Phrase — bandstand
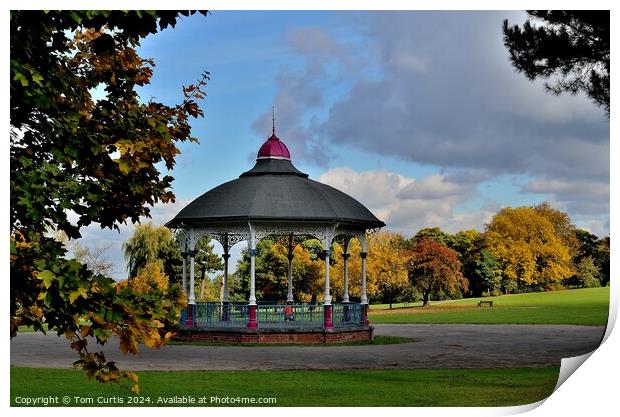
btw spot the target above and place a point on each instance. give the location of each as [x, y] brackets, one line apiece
[274, 199]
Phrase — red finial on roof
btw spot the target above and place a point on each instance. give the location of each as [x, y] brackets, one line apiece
[273, 147]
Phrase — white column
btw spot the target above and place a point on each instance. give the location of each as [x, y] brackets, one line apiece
[364, 297]
[226, 256]
[289, 295]
[192, 254]
[252, 249]
[184, 259]
[225, 280]
[345, 297]
[327, 298]
[184, 254]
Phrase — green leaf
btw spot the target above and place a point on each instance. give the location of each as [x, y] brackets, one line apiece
[20, 77]
[124, 165]
[75, 17]
[80, 292]
[47, 277]
[37, 79]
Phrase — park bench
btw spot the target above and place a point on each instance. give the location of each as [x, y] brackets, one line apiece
[489, 303]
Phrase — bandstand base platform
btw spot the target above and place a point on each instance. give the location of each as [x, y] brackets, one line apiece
[275, 336]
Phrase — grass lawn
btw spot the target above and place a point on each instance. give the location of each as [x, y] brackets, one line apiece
[588, 306]
[438, 387]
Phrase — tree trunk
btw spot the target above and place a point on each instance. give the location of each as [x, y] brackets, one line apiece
[202, 289]
[202, 285]
[425, 297]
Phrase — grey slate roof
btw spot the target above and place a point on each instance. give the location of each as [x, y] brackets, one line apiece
[274, 190]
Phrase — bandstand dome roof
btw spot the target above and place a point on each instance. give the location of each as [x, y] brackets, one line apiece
[274, 190]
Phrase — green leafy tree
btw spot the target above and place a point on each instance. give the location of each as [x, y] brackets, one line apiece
[464, 242]
[434, 233]
[587, 273]
[95, 158]
[487, 270]
[587, 244]
[434, 268]
[206, 262]
[568, 47]
[151, 244]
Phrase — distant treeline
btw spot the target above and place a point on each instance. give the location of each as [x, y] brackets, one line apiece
[523, 249]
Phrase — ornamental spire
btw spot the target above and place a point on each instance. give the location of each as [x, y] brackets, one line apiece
[273, 121]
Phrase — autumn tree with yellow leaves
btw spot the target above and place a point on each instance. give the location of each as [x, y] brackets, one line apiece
[529, 247]
[386, 271]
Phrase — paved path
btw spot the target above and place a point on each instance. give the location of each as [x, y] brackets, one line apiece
[435, 346]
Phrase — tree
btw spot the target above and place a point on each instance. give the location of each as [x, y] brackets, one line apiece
[95, 158]
[434, 233]
[487, 268]
[562, 224]
[603, 260]
[386, 266]
[94, 258]
[587, 244]
[150, 278]
[157, 245]
[272, 271]
[570, 47]
[464, 242]
[587, 273]
[206, 262]
[528, 247]
[433, 267]
[151, 244]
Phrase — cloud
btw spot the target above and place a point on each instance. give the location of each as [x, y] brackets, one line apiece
[297, 91]
[435, 187]
[313, 41]
[583, 197]
[407, 204]
[437, 88]
[467, 108]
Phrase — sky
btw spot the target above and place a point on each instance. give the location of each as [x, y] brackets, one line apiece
[418, 115]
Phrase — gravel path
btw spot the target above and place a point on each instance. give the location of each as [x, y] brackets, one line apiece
[435, 346]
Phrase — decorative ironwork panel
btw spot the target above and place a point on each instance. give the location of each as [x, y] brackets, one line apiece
[345, 315]
[343, 241]
[227, 236]
[182, 237]
[290, 316]
[325, 233]
[219, 315]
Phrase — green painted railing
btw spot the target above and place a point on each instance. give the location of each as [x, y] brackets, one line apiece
[299, 316]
